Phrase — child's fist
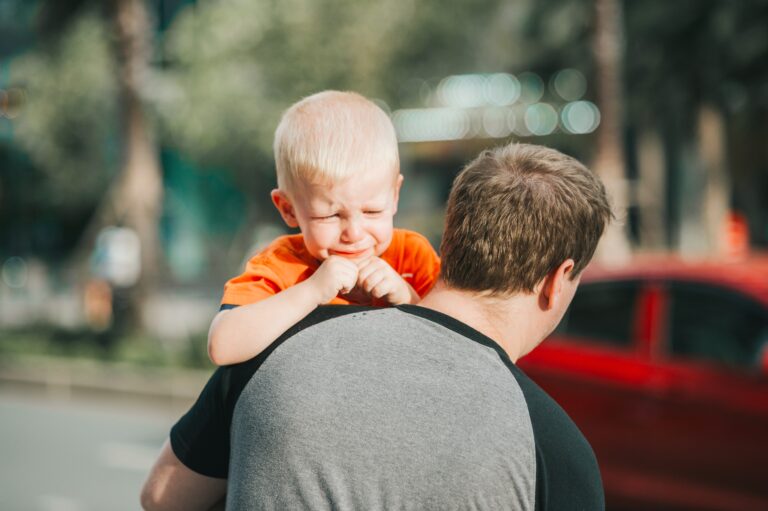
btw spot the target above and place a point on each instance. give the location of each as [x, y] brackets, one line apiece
[380, 280]
[335, 275]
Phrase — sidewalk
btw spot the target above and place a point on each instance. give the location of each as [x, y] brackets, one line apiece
[74, 378]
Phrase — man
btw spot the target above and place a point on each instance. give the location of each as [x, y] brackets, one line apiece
[415, 407]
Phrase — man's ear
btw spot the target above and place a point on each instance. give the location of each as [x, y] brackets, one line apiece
[398, 184]
[550, 289]
[283, 204]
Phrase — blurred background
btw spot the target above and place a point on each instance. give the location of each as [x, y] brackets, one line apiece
[136, 165]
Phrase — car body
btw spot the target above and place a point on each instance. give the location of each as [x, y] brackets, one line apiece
[663, 364]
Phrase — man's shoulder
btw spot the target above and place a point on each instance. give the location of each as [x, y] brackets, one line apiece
[325, 313]
[236, 376]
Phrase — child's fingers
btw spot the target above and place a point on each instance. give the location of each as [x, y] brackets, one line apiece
[381, 289]
[365, 272]
[366, 266]
[347, 279]
[369, 282]
[377, 278]
[373, 265]
[340, 273]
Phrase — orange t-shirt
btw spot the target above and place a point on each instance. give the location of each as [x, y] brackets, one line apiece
[286, 262]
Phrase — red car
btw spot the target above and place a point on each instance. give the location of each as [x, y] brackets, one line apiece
[663, 364]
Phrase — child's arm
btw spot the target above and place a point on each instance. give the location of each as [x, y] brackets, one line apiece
[239, 334]
[380, 280]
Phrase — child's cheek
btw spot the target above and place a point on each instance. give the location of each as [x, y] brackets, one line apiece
[326, 236]
[383, 233]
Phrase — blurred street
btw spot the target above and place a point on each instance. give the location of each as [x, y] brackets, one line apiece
[65, 452]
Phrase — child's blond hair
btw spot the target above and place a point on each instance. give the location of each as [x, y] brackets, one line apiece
[330, 136]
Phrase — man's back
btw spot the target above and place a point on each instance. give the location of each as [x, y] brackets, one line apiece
[400, 408]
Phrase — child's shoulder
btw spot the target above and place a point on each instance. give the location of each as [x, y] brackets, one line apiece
[414, 258]
[409, 247]
[408, 238]
[289, 244]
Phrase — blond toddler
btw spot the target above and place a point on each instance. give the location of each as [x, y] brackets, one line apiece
[338, 181]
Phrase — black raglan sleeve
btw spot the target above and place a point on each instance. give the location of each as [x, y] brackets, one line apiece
[200, 439]
[567, 474]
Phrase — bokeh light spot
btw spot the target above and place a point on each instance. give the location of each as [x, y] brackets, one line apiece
[532, 87]
[462, 91]
[580, 117]
[570, 84]
[430, 124]
[541, 119]
[15, 272]
[495, 122]
[502, 89]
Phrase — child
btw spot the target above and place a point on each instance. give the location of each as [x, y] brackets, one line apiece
[338, 181]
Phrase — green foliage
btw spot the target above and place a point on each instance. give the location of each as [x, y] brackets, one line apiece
[541, 36]
[67, 126]
[232, 66]
[236, 65]
[694, 52]
[226, 69]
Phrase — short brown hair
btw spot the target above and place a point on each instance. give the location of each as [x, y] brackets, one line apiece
[515, 213]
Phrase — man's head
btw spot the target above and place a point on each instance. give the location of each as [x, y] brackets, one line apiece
[338, 174]
[516, 214]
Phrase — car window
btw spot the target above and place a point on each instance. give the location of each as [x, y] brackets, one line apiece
[716, 324]
[602, 312]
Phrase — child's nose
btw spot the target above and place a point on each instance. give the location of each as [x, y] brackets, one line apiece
[352, 231]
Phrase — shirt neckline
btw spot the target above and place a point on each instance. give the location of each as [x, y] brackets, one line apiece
[457, 326]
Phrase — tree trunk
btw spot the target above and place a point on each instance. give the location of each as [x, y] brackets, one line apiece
[651, 191]
[609, 156]
[137, 194]
[717, 191]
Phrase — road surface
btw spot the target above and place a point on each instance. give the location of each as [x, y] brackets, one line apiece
[67, 454]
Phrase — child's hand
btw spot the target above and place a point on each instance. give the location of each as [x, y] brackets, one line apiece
[380, 280]
[335, 275]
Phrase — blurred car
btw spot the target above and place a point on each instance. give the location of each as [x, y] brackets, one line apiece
[663, 364]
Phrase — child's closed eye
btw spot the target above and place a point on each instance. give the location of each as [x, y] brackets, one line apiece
[325, 217]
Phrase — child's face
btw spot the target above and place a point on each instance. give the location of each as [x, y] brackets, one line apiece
[351, 218]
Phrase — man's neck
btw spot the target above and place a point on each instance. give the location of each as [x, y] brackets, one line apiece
[508, 321]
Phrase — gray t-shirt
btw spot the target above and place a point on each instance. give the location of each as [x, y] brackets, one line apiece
[397, 408]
